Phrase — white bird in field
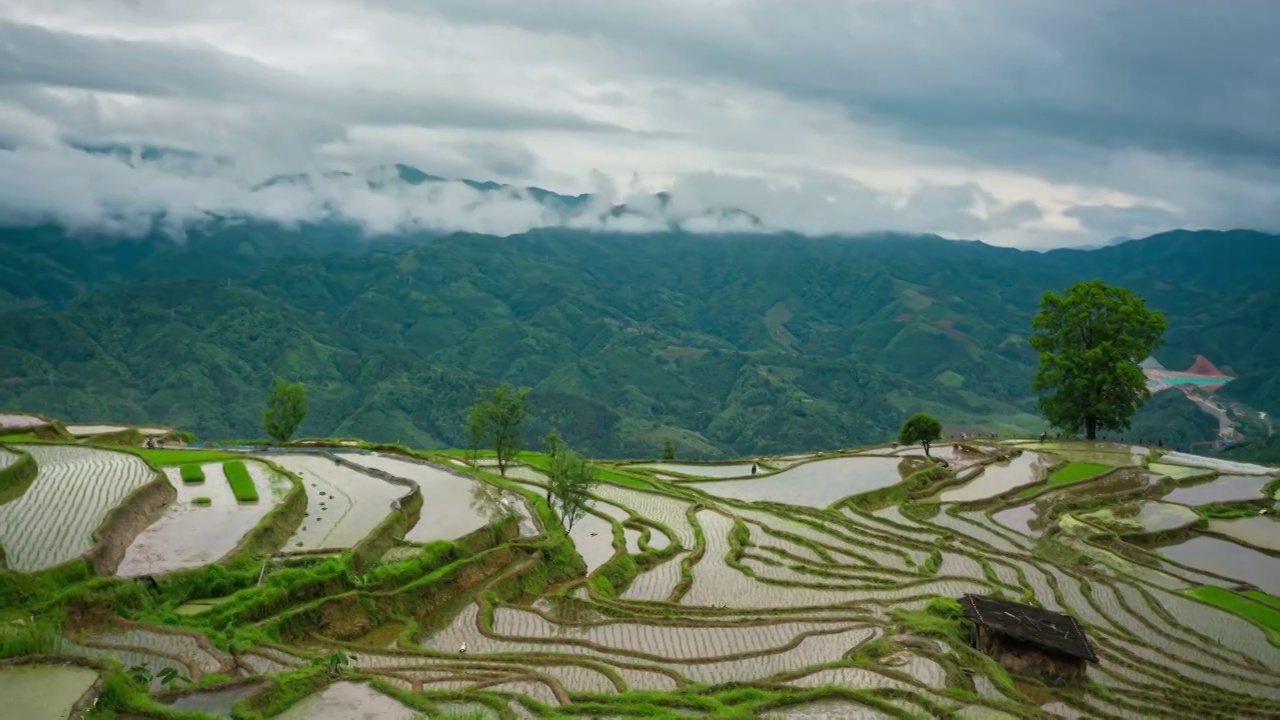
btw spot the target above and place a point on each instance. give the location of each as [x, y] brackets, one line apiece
[463, 648]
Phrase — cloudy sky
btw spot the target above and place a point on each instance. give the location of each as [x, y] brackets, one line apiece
[1035, 124]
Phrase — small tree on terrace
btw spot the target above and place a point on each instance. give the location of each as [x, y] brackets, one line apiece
[554, 443]
[1091, 341]
[286, 407]
[668, 450]
[569, 484]
[920, 428]
[498, 419]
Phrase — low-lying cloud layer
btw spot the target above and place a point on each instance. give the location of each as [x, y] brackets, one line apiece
[1029, 124]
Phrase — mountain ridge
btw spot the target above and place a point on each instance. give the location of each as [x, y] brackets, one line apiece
[730, 343]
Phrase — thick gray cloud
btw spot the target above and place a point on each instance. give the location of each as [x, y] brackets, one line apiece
[1025, 123]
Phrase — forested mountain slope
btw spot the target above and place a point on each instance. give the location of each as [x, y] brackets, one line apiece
[731, 344]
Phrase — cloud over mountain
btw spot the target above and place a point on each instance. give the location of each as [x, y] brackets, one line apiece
[1038, 124]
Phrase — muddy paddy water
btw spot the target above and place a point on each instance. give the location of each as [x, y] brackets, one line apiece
[190, 535]
[42, 692]
[214, 702]
[707, 471]
[1027, 468]
[1226, 488]
[1223, 557]
[347, 701]
[453, 505]
[1260, 531]
[816, 484]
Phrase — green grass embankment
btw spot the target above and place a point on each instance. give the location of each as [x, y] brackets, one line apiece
[171, 456]
[241, 483]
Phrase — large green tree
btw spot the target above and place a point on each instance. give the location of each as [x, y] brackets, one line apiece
[498, 418]
[1091, 340]
[285, 410]
[920, 428]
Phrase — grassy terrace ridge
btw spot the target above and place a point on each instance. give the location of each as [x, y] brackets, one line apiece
[695, 605]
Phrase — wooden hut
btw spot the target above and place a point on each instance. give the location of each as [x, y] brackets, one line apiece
[1028, 641]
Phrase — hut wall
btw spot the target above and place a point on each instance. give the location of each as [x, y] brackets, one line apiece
[1024, 659]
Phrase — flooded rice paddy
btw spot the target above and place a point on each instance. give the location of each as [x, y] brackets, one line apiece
[214, 702]
[42, 692]
[1260, 531]
[54, 520]
[343, 505]
[20, 421]
[1227, 467]
[453, 505]
[792, 595]
[1177, 472]
[1225, 488]
[707, 471]
[191, 535]
[1146, 517]
[348, 701]
[1025, 469]
[1228, 559]
[817, 483]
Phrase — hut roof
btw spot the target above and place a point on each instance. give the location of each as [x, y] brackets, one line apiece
[1049, 630]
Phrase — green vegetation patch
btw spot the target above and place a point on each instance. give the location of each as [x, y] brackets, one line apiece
[202, 501]
[1065, 475]
[241, 483]
[1259, 607]
[191, 473]
[168, 456]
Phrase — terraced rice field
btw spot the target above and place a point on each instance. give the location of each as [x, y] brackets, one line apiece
[7, 458]
[1029, 467]
[1223, 557]
[1177, 472]
[706, 471]
[343, 505]
[820, 608]
[1260, 531]
[454, 504]
[1226, 467]
[818, 483]
[1225, 488]
[19, 421]
[1148, 517]
[190, 535]
[54, 520]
